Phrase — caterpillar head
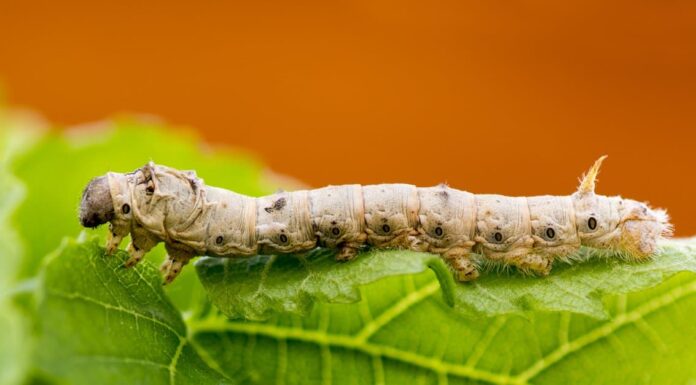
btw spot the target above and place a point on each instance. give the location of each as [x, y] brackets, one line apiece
[145, 196]
[96, 207]
[107, 198]
[626, 227]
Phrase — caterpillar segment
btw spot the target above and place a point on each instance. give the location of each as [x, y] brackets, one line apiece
[157, 204]
[337, 219]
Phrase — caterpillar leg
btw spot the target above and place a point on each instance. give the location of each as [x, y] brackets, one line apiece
[141, 243]
[176, 260]
[113, 240]
[137, 252]
[346, 253]
[172, 267]
[533, 263]
[349, 250]
[136, 255]
[464, 269]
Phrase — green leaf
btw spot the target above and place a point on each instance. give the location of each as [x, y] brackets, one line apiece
[57, 168]
[106, 322]
[101, 323]
[578, 288]
[258, 287]
[402, 332]
[17, 133]
[11, 194]
[14, 326]
[14, 347]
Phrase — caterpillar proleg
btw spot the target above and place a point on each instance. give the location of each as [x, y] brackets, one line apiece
[160, 204]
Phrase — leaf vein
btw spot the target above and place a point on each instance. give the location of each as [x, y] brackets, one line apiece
[349, 342]
[378, 370]
[398, 308]
[326, 364]
[175, 360]
[116, 359]
[485, 341]
[119, 308]
[282, 361]
[605, 330]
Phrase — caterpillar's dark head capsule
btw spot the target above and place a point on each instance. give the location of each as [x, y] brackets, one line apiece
[96, 207]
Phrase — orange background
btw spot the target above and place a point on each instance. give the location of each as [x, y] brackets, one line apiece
[514, 97]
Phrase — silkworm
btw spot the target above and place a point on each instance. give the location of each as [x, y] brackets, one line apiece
[160, 204]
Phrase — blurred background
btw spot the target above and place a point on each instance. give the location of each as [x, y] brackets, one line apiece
[490, 96]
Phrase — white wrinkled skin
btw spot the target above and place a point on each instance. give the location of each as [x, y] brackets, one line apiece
[159, 204]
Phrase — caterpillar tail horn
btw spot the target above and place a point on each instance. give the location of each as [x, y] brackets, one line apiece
[587, 184]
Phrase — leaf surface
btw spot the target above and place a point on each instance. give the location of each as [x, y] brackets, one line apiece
[402, 332]
[102, 324]
[15, 327]
[258, 287]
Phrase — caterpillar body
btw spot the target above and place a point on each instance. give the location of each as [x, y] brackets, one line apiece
[160, 204]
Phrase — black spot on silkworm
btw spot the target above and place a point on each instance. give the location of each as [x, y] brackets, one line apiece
[333, 223]
[194, 185]
[219, 240]
[148, 179]
[277, 205]
[438, 231]
[125, 208]
[150, 190]
[283, 238]
[498, 237]
[386, 228]
[335, 231]
[592, 223]
[550, 232]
